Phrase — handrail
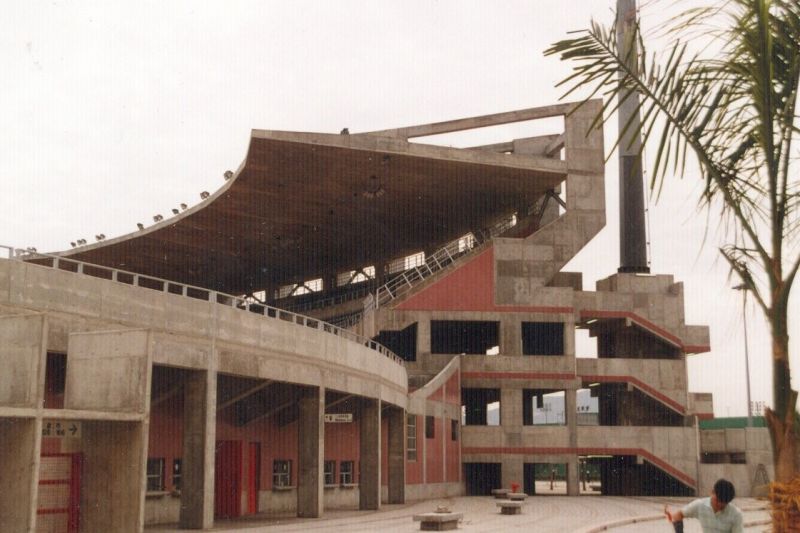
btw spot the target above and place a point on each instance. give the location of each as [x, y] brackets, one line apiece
[439, 260]
[190, 291]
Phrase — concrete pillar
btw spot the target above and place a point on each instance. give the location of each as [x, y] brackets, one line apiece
[370, 475]
[571, 414]
[573, 477]
[511, 471]
[397, 455]
[20, 441]
[423, 337]
[510, 336]
[511, 409]
[114, 476]
[199, 444]
[311, 453]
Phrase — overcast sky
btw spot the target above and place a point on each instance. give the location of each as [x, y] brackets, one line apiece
[113, 112]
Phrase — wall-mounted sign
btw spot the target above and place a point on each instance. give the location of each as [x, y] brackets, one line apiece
[339, 418]
[61, 428]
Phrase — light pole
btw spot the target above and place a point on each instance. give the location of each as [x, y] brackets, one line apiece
[744, 288]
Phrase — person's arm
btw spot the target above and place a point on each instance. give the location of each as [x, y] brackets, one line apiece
[673, 516]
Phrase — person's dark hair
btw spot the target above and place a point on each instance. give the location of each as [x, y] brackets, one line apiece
[724, 491]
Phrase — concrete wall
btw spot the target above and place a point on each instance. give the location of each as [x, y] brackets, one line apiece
[109, 371]
[283, 349]
[19, 475]
[22, 353]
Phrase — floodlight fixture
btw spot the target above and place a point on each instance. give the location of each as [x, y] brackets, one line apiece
[204, 195]
[184, 206]
[175, 211]
[158, 218]
[140, 225]
[228, 175]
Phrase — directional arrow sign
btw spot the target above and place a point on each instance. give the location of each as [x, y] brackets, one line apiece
[61, 428]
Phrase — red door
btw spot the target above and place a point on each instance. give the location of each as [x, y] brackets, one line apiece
[59, 493]
[253, 477]
[227, 479]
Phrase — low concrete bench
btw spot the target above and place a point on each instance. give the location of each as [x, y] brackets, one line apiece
[500, 494]
[510, 507]
[438, 521]
[517, 496]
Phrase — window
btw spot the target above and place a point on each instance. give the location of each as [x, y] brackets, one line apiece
[430, 427]
[281, 473]
[453, 430]
[411, 438]
[176, 474]
[155, 474]
[464, 336]
[346, 472]
[329, 474]
[542, 338]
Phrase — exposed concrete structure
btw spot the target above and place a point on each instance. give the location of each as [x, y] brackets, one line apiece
[438, 271]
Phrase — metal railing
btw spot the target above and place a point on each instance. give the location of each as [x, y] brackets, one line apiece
[439, 260]
[190, 291]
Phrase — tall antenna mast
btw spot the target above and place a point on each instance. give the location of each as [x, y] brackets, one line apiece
[632, 232]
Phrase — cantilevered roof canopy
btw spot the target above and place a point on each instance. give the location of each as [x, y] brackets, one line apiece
[307, 204]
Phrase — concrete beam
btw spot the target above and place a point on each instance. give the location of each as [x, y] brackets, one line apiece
[241, 396]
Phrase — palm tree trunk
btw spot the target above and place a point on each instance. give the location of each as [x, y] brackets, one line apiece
[781, 420]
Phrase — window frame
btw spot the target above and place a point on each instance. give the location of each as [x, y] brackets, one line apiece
[411, 438]
[347, 472]
[281, 477]
[159, 476]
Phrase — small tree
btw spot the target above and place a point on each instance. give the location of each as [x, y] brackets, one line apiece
[736, 113]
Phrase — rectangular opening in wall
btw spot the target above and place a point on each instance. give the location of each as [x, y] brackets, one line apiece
[585, 344]
[464, 336]
[481, 478]
[454, 430]
[544, 479]
[542, 338]
[55, 380]
[587, 407]
[543, 407]
[403, 342]
[430, 427]
[480, 407]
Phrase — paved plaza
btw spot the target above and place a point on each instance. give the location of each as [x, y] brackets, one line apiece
[556, 514]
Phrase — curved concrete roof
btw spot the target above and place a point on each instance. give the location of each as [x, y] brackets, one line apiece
[306, 204]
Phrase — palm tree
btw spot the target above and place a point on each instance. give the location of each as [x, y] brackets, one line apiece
[734, 114]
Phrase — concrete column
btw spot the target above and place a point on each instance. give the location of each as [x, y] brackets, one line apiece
[311, 453]
[573, 477]
[571, 414]
[511, 409]
[423, 336]
[114, 476]
[370, 475]
[397, 455]
[511, 471]
[20, 441]
[199, 444]
[510, 336]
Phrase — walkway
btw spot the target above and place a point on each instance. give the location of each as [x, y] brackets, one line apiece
[544, 514]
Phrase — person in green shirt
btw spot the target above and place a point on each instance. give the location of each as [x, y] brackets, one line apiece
[716, 513]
